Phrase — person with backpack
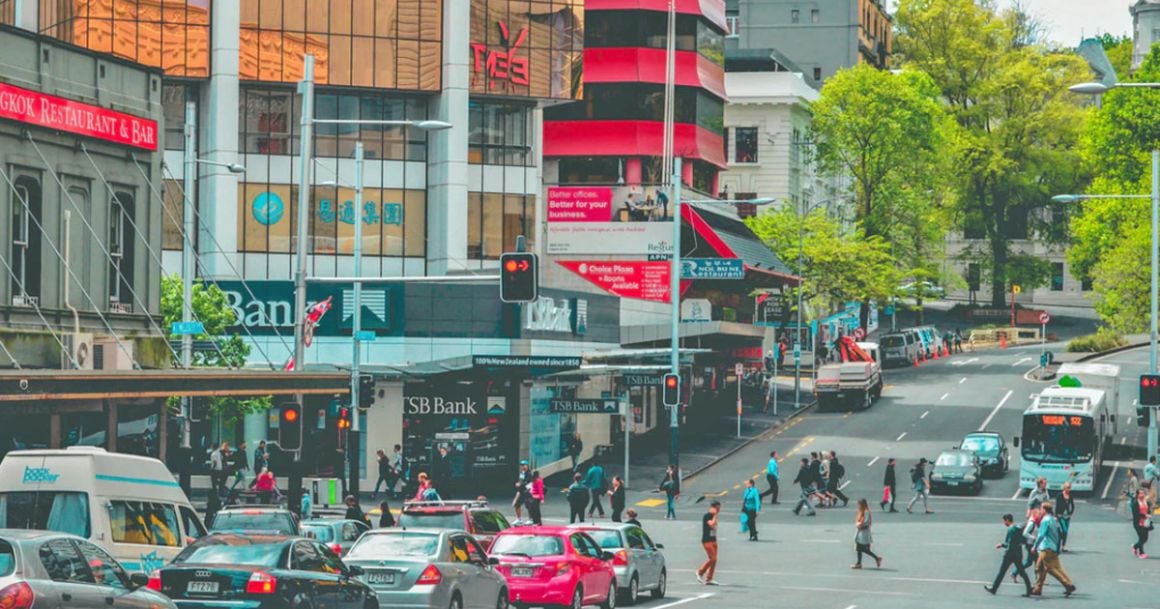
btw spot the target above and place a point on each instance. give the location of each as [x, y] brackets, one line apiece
[921, 486]
[1012, 547]
[837, 471]
[597, 486]
[577, 498]
[805, 480]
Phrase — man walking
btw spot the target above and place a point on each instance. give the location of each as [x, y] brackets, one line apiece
[1012, 556]
[385, 473]
[889, 486]
[575, 448]
[772, 476]
[836, 472]
[709, 542]
[261, 457]
[399, 464]
[594, 480]
[1047, 543]
[805, 480]
[217, 468]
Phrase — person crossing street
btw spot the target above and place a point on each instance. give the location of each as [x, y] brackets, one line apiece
[805, 480]
[597, 486]
[889, 486]
[836, 472]
[1012, 547]
[1047, 544]
[771, 477]
[750, 506]
[708, 569]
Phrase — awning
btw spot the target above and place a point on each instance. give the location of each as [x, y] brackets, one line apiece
[31, 385]
[727, 236]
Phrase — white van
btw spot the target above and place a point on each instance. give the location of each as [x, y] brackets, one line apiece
[129, 505]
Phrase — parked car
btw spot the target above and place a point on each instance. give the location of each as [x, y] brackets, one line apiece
[554, 565]
[930, 339]
[251, 519]
[338, 534]
[898, 348]
[44, 570]
[257, 571]
[991, 449]
[638, 563]
[475, 517]
[923, 289]
[956, 470]
[428, 568]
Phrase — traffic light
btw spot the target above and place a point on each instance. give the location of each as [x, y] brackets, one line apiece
[366, 391]
[290, 426]
[1149, 390]
[519, 277]
[344, 418]
[672, 390]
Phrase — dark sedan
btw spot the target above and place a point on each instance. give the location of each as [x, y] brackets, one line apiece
[991, 449]
[957, 470]
[262, 572]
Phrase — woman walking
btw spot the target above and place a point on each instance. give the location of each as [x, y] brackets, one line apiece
[671, 486]
[750, 506]
[921, 486]
[616, 498]
[386, 518]
[577, 499]
[1064, 508]
[1131, 485]
[1141, 521]
[535, 497]
[862, 536]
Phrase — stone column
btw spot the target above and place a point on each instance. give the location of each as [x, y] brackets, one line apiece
[447, 150]
[218, 142]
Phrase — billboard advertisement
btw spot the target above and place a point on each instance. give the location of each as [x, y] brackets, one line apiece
[642, 280]
[609, 220]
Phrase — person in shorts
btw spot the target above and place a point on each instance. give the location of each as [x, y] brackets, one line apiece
[709, 541]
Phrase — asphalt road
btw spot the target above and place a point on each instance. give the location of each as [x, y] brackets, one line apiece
[941, 559]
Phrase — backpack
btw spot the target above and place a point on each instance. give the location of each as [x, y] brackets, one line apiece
[915, 475]
[577, 492]
[839, 470]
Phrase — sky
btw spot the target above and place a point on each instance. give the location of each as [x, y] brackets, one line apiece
[1069, 21]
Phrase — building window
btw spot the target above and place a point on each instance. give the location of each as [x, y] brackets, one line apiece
[25, 260]
[499, 134]
[725, 142]
[494, 220]
[1085, 284]
[817, 74]
[1056, 276]
[731, 27]
[745, 145]
[629, 28]
[173, 98]
[815, 16]
[121, 251]
[974, 276]
[172, 207]
[795, 16]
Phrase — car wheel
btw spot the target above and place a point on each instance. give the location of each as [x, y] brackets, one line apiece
[577, 598]
[662, 586]
[371, 603]
[502, 601]
[610, 600]
[1006, 465]
[632, 594]
[867, 400]
[456, 603]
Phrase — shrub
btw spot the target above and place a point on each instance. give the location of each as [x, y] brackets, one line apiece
[1103, 340]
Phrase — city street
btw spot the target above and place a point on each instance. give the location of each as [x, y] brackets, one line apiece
[942, 559]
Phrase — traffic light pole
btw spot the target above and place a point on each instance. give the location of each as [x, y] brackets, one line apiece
[675, 329]
[353, 447]
[1152, 429]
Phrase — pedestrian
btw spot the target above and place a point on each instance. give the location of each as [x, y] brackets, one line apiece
[1030, 532]
[805, 481]
[836, 471]
[1151, 479]
[921, 486]
[431, 493]
[577, 499]
[575, 449]
[1131, 484]
[1141, 510]
[862, 536]
[631, 517]
[402, 469]
[1064, 509]
[1039, 494]
[265, 485]
[386, 472]
[441, 470]
[889, 486]
[240, 466]
[386, 518]
[709, 542]
[817, 479]
[354, 511]
[958, 340]
[305, 506]
[616, 498]
[671, 486]
[535, 497]
[750, 506]
[781, 347]
[522, 479]
[597, 486]
[261, 457]
[421, 488]
[1012, 547]
[1047, 546]
[771, 477]
[217, 468]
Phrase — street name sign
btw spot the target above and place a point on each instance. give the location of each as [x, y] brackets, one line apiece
[188, 327]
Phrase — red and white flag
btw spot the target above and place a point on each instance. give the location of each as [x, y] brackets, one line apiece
[314, 314]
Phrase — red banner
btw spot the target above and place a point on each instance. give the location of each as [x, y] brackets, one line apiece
[579, 204]
[628, 279]
[62, 114]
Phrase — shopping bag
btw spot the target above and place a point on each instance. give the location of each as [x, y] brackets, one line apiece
[886, 494]
[744, 522]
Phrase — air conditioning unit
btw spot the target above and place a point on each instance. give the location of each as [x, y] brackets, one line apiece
[109, 355]
[80, 348]
[25, 301]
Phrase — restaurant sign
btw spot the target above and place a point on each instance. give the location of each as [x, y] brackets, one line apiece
[52, 112]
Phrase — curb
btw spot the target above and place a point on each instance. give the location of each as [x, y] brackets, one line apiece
[745, 444]
[1098, 354]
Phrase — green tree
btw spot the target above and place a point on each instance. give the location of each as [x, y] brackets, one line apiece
[1019, 125]
[210, 308]
[1119, 50]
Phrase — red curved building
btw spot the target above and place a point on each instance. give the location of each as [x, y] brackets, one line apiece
[614, 136]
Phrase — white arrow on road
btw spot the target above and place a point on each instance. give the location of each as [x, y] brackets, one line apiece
[964, 362]
[1021, 360]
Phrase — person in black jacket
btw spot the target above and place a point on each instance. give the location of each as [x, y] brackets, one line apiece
[354, 511]
[1012, 556]
[890, 486]
[577, 498]
[386, 518]
[837, 471]
[616, 498]
[805, 479]
[575, 449]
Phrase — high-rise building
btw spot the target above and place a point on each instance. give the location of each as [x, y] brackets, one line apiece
[1145, 29]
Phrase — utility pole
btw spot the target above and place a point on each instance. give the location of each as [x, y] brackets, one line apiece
[188, 253]
[353, 446]
[675, 329]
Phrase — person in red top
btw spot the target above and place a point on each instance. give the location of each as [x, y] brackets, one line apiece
[424, 483]
[266, 485]
[1141, 521]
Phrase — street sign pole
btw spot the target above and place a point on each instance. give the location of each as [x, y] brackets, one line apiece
[624, 403]
[739, 369]
[779, 355]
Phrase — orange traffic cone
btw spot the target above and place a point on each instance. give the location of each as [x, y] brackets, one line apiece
[936, 353]
[946, 351]
[916, 361]
[924, 356]
[1002, 341]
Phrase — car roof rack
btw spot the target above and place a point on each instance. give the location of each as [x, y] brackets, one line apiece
[469, 504]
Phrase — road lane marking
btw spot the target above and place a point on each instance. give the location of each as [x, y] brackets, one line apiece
[944, 396]
[1112, 476]
[852, 607]
[873, 461]
[985, 366]
[962, 380]
[844, 484]
[1020, 361]
[650, 503]
[924, 414]
[994, 412]
[699, 597]
[900, 437]
[1018, 492]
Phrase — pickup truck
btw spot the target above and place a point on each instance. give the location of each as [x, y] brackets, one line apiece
[848, 385]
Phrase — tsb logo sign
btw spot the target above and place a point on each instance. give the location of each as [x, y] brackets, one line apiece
[438, 405]
[32, 475]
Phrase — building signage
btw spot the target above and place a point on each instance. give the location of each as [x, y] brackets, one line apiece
[52, 112]
[613, 238]
[712, 268]
[439, 405]
[267, 307]
[561, 315]
[579, 204]
[642, 380]
[696, 310]
[582, 406]
[392, 213]
[502, 66]
[454, 432]
[268, 208]
[525, 361]
[639, 279]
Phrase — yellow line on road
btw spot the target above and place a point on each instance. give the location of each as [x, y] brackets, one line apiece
[650, 503]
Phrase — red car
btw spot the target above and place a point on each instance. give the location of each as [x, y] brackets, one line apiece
[554, 566]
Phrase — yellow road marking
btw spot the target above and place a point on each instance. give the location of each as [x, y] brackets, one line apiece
[651, 503]
[736, 486]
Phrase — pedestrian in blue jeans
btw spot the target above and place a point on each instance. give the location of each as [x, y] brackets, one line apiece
[671, 485]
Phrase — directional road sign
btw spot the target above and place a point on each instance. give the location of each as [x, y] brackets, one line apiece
[1044, 317]
[712, 268]
[188, 327]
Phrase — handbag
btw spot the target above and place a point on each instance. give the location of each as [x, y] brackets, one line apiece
[1148, 523]
[744, 522]
[886, 494]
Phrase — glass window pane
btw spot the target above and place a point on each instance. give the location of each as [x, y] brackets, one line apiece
[415, 222]
[474, 225]
[492, 225]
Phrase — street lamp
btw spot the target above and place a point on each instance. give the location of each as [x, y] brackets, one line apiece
[1095, 88]
[675, 299]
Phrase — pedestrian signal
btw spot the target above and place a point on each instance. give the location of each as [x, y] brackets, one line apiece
[1149, 390]
[672, 390]
[519, 277]
[343, 418]
[290, 426]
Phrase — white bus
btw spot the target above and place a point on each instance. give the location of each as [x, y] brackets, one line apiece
[1063, 438]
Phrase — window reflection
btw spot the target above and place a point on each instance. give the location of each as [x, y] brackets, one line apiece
[642, 101]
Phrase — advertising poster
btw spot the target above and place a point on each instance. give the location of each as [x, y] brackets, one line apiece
[642, 280]
[617, 220]
[453, 433]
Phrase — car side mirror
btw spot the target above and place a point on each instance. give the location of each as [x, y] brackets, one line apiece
[607, 556]
[493, 561]
[660, 546]
[138, 579]
[1015, 441]
[354, 570]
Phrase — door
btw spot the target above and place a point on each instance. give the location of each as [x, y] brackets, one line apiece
[641, 557]
[462, 572]
[483, 578]
[592, 573]
[655, 557]
[111, 579]
[72, 579]
[315, 578]
[351, 592]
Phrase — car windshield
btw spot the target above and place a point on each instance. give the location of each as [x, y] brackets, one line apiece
[953, 460]
[1052, 438]
[211, 551]
[609, 540]
[893, 340]
[269, 522]
[528, 545]
[386, 545]
[981, 444]
[321, 532]
[432, 520]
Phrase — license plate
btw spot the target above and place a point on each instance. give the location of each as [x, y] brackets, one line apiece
[952, 483]
[521, 572]
[381, 577]
[202, 587]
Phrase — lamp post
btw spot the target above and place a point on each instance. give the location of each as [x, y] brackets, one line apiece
[675, 300]
[1095, 88]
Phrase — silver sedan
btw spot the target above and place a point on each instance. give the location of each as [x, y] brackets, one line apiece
[428, 569]
[638, 562]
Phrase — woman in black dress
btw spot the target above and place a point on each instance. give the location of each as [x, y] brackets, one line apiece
[617, 498]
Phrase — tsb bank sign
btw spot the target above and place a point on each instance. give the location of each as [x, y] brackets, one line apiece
[439, 405]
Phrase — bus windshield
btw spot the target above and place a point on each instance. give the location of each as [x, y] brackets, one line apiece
[1057, 438]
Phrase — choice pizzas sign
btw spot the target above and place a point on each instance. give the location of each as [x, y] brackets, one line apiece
[642, 280]
[52, 112]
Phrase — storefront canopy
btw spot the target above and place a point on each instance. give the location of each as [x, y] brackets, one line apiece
[724, 235]
[27, 385]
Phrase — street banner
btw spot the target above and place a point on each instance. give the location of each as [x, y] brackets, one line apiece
[579, 204]
[638, 279]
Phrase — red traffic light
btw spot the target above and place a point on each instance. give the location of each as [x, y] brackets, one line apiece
[1147, 381]
[289, 415]
[671, 381]
[511, 266]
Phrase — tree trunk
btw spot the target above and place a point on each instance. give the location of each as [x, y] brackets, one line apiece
[864, 317]
[998, 270]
